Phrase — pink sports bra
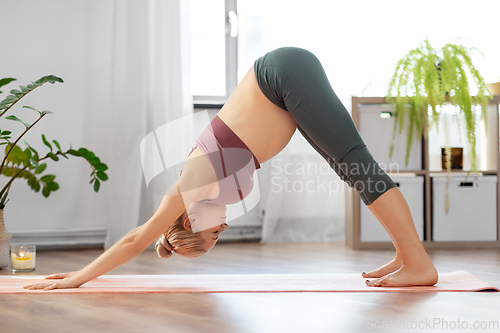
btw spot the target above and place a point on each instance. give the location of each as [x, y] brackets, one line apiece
[232, 160]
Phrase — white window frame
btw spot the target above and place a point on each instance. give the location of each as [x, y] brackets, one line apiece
[231, 60]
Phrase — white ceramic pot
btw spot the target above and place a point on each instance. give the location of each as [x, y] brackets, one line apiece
[5, 238]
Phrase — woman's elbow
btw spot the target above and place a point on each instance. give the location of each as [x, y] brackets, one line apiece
[133, 243]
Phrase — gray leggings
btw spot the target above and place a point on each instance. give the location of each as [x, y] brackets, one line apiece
[294, 80]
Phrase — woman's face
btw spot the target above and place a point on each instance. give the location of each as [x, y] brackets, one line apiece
[207, 219]
[211, 235]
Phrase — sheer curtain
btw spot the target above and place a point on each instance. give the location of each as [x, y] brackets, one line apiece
[302, 198]
[148, 89]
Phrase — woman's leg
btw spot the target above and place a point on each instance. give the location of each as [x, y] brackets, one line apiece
[295, 80]
[417, 268]
[394, 264]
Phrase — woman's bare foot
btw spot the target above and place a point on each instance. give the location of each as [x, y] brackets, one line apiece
[390, 267]
[421, 274]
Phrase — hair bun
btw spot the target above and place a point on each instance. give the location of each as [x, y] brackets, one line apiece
[163, 247]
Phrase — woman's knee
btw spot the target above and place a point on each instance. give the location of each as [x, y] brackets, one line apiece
[362, 173]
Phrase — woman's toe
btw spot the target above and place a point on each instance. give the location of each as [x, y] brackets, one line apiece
[375, 283]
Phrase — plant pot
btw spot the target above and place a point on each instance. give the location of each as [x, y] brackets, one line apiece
[5, 238]
[494, 88]
[456, 158]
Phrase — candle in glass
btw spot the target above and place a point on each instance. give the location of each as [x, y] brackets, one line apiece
[22, 258]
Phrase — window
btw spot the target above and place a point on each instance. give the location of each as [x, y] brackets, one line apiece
[358, 42]
[213, 40]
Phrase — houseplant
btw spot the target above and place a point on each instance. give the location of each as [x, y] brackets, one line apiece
[427, 79]
[27, 163]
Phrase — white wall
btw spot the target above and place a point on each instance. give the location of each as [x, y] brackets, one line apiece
[70, 40]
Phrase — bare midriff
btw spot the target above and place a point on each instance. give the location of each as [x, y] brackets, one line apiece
[263, 126]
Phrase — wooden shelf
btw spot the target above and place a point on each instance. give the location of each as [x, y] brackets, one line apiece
[353, 201]
[460, 172]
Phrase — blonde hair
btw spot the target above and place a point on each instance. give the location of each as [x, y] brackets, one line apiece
[184, 242]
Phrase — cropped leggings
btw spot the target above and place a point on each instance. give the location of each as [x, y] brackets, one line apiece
[294, 80]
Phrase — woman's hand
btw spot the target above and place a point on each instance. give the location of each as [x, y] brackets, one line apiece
[61, 275]
[49, 285]
[65, 283]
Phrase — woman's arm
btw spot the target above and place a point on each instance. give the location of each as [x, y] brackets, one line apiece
[132, 244]
[193, 185]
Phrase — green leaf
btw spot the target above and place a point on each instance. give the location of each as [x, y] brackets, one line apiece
[33, 150]
[16, 155]
[36, 186]
[16, 92]
[46, 112]
[53, 186]
[49, 78]
[48, 178]
[40, 168]
[101, 167]
[27, 152]
[46, 142]
[24, 89]
[5, 81]
[12, 117]
[5, 103]
[95, 161]
[57, 144]
[5, 133]
[74, 152]
[83, 152]
[53, 156]
[29, 107]
[7, 171]
[33, 162]
[102, 176]
[9, 99]
[45, 191]
[97, 184]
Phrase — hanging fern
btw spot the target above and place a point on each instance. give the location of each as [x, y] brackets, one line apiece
[424, 80]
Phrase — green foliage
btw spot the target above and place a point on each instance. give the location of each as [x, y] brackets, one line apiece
[19, 163]
[16, 95]
[424, 80]
[5, 81]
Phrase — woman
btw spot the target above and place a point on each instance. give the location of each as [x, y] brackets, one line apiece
[286, 89]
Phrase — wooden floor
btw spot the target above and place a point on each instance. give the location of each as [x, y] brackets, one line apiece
[258, 312]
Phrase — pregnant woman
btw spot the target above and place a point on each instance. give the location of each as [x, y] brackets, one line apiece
[285, 90]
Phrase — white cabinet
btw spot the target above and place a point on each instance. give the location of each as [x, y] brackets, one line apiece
[412, 189]
[376, 127]
[472, 215]
[473, 218]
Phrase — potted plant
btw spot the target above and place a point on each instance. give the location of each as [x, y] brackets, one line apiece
[28, 163]
[423, 82]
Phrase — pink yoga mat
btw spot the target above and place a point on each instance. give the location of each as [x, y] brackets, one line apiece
[222, 283]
